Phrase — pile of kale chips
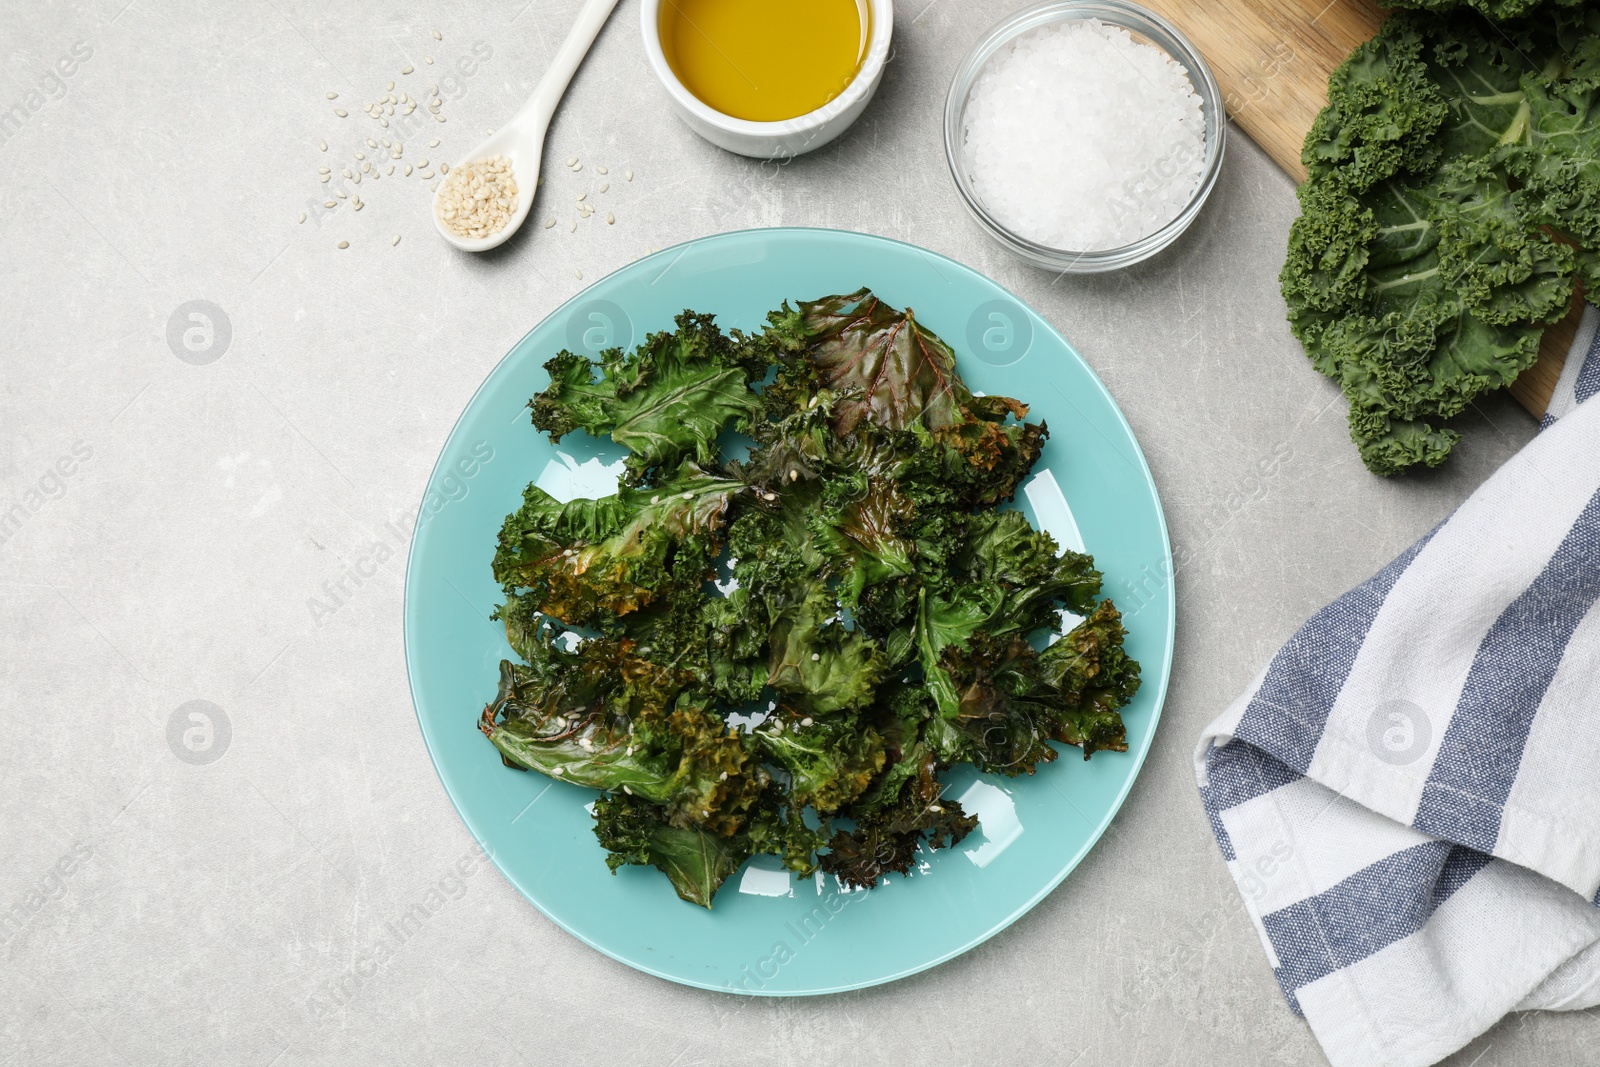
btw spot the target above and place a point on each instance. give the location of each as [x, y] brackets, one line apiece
[1453, 202]
[853, 578]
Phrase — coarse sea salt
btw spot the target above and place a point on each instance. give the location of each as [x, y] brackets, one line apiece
[1080, 138]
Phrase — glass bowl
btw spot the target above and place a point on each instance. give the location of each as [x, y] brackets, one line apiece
[1145, 27]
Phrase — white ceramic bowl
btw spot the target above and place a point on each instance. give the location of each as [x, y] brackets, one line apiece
[774, 140]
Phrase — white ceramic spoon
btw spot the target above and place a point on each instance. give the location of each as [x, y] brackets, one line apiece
[522, 139]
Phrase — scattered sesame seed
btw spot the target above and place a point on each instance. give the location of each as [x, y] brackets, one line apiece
[549, 223]
[723, 777]
[330, 203]
[601, 170]
[604, 186]
[444, 168]
[333, 96]
[384, 123]
[408, 170]
[437, 36]
[576, 167]
[322, 145]
[628, 175]
[578, 273]
[359, 205]
[439, 117]
[807, 720]
[427, 59]
[574, 228]
[390, 169]
[341, 112]
[573, 162]
[422, 163]
[344, 244]
[325, 177]
[357, 179]
[341, 194]
[391, 84]
[396, 240]
[302, 216]
[582, 197]
[434, 143]
[426, 175]
[433, 187]
[407, 70]
[611, 220]
[815, 656]
[371, 143]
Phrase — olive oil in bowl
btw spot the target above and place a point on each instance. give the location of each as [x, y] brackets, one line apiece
[765, 60]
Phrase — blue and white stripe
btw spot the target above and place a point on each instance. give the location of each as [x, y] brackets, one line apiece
[1409, 796]
[1580, 374]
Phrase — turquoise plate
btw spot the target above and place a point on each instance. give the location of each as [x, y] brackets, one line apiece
[771, 933]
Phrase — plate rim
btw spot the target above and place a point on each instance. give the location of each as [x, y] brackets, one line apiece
[1092, 840]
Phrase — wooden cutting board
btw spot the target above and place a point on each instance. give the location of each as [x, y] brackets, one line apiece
[1272, 59]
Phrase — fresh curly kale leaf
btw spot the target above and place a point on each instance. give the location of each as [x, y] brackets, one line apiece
[665, 402]
[1452, 200]
[1495, 9]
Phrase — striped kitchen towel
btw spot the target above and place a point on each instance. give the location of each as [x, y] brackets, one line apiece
[1409, 795]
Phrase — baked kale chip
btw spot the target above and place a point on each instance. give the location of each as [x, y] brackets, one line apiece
[780, 655]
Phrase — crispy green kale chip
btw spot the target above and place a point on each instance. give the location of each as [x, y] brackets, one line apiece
[665, 402]
[780, 655]
[1452, 205]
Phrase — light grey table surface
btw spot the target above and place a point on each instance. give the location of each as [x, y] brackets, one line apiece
[209, 906]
